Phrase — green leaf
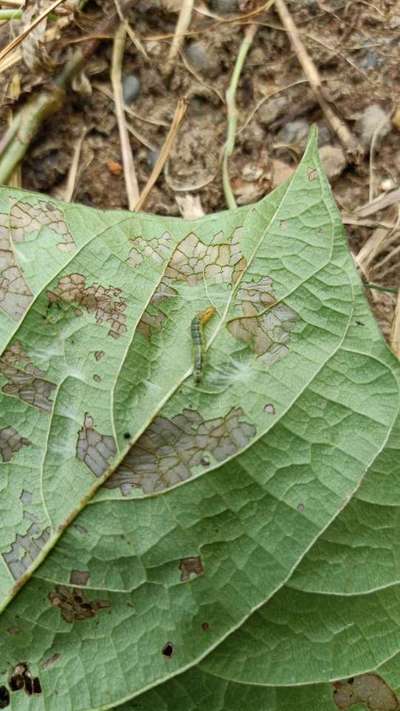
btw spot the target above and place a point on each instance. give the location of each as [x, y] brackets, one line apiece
[154, 527]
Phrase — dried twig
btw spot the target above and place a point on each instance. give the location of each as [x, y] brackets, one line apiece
[73, 171]
[131, 183]
[17, 40]
[233, 114]
[374, 139]
[352, 147]
[379, 203]
[164, 152]
[185, 16]
[395, 333]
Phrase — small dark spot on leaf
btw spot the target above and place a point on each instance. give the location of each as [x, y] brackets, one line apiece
[360, 323]
[13, 631]
[127, 435]
[97, 378]
[4, 697]
[28, 684]
[37, 687]
[205, 626]
[300, 508]
[168, 649]
[17, 678]
[205, 461]
[191, 567]
[269, 408]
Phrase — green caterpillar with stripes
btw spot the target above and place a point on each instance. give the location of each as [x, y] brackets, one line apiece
[196, 329]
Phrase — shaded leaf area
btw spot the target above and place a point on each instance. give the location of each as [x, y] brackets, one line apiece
[199, 691]
[196, 502]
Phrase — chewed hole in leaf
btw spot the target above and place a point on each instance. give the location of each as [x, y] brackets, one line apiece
[269, 408]
[94, 449]
[21, 678]
[168, 650]
[106, 303]
[4, 697]
[171, 450]
[368, 689]
[191, 568]
[17, 680]
[11, 442]
[73, 604]
[25, 549]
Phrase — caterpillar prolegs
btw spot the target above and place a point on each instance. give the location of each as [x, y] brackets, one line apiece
[196, 329]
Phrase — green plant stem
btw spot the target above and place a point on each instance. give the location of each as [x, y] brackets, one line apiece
[10, 14]
[233, 114]
[390, 289]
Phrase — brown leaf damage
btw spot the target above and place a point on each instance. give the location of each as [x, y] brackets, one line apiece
[15, 226]
[11, 442]
[94, 449]
[106, 303]
[74, 604]
[265, 325]
[171, 450]
[368, 689]
[191, 568]
[25, 381]
[25, 549]
[192, 262]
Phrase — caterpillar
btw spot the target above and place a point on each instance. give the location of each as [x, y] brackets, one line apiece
[196, 329]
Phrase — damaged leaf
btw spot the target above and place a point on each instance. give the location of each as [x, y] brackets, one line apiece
[195, 546]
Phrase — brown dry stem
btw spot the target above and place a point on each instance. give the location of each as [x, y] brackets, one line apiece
[182, 26]
[164, 153]
[351, 145]
[131, 183]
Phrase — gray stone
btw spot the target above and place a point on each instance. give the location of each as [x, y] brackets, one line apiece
[130, 88]
[294, 132]
[373, 119]
[197, 55]
[271, 110]
[333, 160]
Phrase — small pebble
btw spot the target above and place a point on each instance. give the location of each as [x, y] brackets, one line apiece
[224, 7]
[130, 88]
[373, 119]
[333, 160]
[152, 158]
[370, 60]
[272, 109]
[197, 55]
[387, 184]
[294, 132]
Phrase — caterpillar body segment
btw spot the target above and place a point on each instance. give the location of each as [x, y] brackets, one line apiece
[196, 329]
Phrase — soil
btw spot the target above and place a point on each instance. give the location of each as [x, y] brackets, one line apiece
[354, 45]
